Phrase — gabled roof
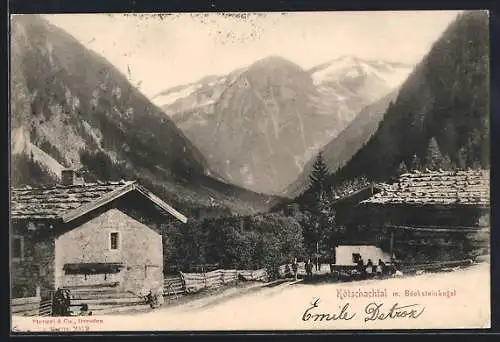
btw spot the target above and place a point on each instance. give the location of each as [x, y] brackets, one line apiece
[72, 201]
[437, 188]
[358, 194]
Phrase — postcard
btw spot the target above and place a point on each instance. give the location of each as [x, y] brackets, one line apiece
[250, 171]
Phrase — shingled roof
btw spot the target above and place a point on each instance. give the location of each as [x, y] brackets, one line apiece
[437, 188]
[356, 194]
[71, 201]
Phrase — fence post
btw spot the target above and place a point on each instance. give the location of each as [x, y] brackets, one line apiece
[202, 269]
[51, 296]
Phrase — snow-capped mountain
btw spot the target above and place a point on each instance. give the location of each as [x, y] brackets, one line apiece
[199, 94]
[226, 116]
[393, 74]
[348, 84]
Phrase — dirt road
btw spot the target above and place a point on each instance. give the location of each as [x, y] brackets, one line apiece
[455, 299]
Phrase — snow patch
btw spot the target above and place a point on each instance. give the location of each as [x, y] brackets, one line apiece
[393, 77]
[169, 98]
[332, 69]
[347, 66]
[352, 73]
[397, 76]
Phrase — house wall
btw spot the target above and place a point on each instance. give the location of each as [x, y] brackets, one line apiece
[36, 268]
[141, 251]
[344, 254]
[422, 247]
[415, 246]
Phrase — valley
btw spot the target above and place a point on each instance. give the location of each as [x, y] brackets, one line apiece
[279, 114]
[241, 142]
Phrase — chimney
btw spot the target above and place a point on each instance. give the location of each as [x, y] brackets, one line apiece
[69, 177]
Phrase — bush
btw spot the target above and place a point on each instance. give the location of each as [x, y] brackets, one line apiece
[244, 242]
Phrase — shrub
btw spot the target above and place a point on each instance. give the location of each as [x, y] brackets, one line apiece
[265, 240]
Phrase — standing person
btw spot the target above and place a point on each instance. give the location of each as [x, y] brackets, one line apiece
[361, 267]
[295, 267]
[380, 267]
[369, 267]
[309, 267]
[61, 303]
[333, 260]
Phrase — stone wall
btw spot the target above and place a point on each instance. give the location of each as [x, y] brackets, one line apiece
[140, 250]
[36, 268]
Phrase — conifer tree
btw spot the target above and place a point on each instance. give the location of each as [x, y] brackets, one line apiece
[319, 175]
[433, 157]
[322, 221]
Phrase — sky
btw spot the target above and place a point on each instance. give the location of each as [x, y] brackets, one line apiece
[159, 52]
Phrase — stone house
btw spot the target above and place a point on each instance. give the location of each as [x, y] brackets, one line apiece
[86, 234]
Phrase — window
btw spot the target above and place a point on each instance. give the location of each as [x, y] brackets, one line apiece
[114, 241]
[17, 248]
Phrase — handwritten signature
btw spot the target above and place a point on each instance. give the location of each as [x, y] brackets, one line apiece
[372, 312]
[375, 311]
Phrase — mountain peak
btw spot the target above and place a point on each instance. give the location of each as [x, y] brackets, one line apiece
[350, 66]
[350, 58]
[274, 61]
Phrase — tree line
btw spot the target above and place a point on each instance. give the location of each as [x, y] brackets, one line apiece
[440, 118]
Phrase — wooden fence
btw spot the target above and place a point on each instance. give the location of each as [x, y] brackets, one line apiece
[103, 300]
[188, 283]
[253, 275]
[45, 307]
[31, 306]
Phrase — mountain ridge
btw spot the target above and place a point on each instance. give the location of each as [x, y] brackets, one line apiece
[327, 109]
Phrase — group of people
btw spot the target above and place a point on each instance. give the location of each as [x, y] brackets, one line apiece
[309, 266]
[370, 269]
[367, 270]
